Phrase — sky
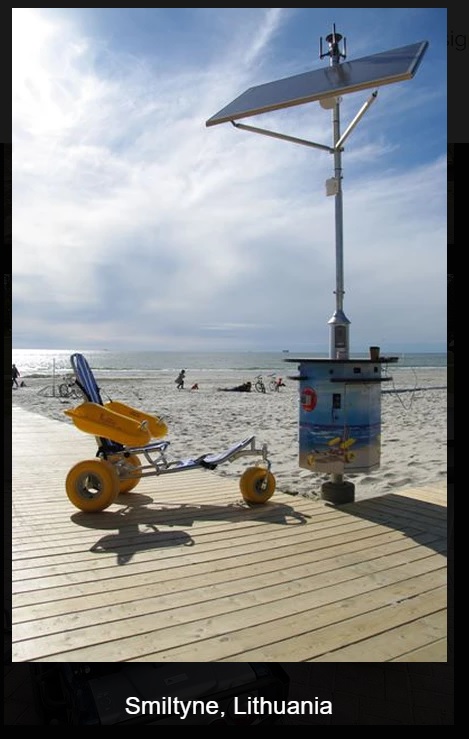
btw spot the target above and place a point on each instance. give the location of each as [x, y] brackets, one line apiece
[137, 227]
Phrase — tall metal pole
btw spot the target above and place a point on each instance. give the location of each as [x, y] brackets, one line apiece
[339, 323]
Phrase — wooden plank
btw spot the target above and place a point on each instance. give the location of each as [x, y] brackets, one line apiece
[233, 528]
[229, 520]
[325, 549]
[288, 568]
[382, 622]
[435, 651]
[300, 635]
[104, 568]
[272, 537]
[393, 507]
[421, 633]
[266, 586]
[220, 615]
[295, 636]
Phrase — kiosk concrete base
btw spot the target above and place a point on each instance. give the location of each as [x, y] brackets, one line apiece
[338, 492]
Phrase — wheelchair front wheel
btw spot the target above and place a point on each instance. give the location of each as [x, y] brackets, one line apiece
[257, 485]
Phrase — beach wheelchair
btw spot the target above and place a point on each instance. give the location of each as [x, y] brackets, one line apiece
[126, 452]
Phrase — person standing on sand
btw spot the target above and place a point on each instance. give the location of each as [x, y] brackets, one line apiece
[15, 373]
[180, 380]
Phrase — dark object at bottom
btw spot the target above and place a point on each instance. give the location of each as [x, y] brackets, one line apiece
[338, 492]
[96, 694]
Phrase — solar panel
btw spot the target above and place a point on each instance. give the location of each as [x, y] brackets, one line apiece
[391, 66]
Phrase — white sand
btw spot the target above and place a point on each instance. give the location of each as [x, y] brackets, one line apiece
[413, 438]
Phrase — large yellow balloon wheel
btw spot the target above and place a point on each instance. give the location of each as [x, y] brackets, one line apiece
[132, 463]
[92, 485]
[252, 485]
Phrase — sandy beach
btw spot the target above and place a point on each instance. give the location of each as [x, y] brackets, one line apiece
[413, 438]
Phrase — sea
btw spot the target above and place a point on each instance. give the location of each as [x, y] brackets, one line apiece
[135, 364]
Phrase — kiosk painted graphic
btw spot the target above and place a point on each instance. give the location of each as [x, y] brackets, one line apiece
[340, 416]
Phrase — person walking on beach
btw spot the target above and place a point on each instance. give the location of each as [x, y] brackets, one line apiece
[180, 380]
[15, 373]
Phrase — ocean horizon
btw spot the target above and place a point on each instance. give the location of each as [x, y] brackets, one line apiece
[126, 364]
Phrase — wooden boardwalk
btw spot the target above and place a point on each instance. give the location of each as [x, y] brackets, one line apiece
[182, 570]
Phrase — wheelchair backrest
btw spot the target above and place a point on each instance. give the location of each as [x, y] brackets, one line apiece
[85, 378]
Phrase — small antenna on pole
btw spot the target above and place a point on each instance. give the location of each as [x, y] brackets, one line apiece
[333, 41]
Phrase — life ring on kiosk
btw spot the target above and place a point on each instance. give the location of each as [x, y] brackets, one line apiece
[309, 399]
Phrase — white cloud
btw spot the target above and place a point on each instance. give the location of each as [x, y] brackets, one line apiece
[132, 217]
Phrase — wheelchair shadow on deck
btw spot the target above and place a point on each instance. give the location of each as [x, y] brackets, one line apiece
[138, 530]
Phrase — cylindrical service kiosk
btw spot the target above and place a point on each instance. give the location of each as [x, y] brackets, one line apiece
[339, 419]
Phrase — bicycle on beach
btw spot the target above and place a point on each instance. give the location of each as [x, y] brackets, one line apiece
[259, 385]
[274, 383]
[68, 388]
